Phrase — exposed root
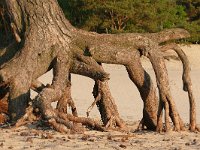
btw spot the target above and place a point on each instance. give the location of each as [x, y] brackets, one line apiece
[165, 95]
[73, 107]
[110, 122]
[87, 122]
[58, 127]
[93, 104]
[37, 86]
[60, 121]
[87, 66]
[159, 127]
[29, 117]
[63, 101]
[55, 48]
[187, 84]
[65, 122]
[140, 125]
[143, 82]
[107, 106]
[66, 100]
[111, 125]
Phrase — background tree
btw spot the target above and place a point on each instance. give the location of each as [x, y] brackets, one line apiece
[192, 8]
[113, 16]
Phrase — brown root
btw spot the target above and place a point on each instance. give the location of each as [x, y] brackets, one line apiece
[187, 83]
[165, 95]
[29, 117]
[147, 91]
[68, 123]
[87, 66]
[107, 106]
[65, 101]
[93, 104]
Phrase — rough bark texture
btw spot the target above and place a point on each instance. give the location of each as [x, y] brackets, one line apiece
[107, 106]
[66, 100]
[3, 104]
[44, 40]
[187, 83]
[147, 91]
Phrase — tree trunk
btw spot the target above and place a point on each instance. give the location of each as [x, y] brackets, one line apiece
[45, 40]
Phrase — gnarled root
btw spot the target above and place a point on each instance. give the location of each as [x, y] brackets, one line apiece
[165, 96]
[66, 100]
[107, 107]
[87, 66]
[29, 117]
[147, 91]
[187, 84]
[60, 90]
[65, 123]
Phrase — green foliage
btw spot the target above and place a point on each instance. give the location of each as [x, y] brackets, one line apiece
[192, 8]
[152, 15]
[114, 16]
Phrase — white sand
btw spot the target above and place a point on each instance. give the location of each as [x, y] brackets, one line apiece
[130, 108]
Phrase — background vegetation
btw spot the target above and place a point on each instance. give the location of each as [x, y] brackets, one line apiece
[114, 16]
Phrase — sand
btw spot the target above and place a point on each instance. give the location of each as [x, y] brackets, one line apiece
[130, 108]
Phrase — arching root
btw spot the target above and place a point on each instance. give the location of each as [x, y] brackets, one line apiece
[165, 95]
[93, 104]
[187, 84]
[143, 82]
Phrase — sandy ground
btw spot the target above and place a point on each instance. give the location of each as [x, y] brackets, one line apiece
[130, 107]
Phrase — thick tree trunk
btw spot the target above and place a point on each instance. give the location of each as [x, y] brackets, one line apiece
[45, 40]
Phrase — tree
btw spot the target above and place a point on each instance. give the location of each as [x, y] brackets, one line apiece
[44, 40]
[125, 15]
[117, 16]
[192, 8]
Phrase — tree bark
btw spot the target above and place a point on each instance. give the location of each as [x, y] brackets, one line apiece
[187, 83]
[106, 105]
[147, 91]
